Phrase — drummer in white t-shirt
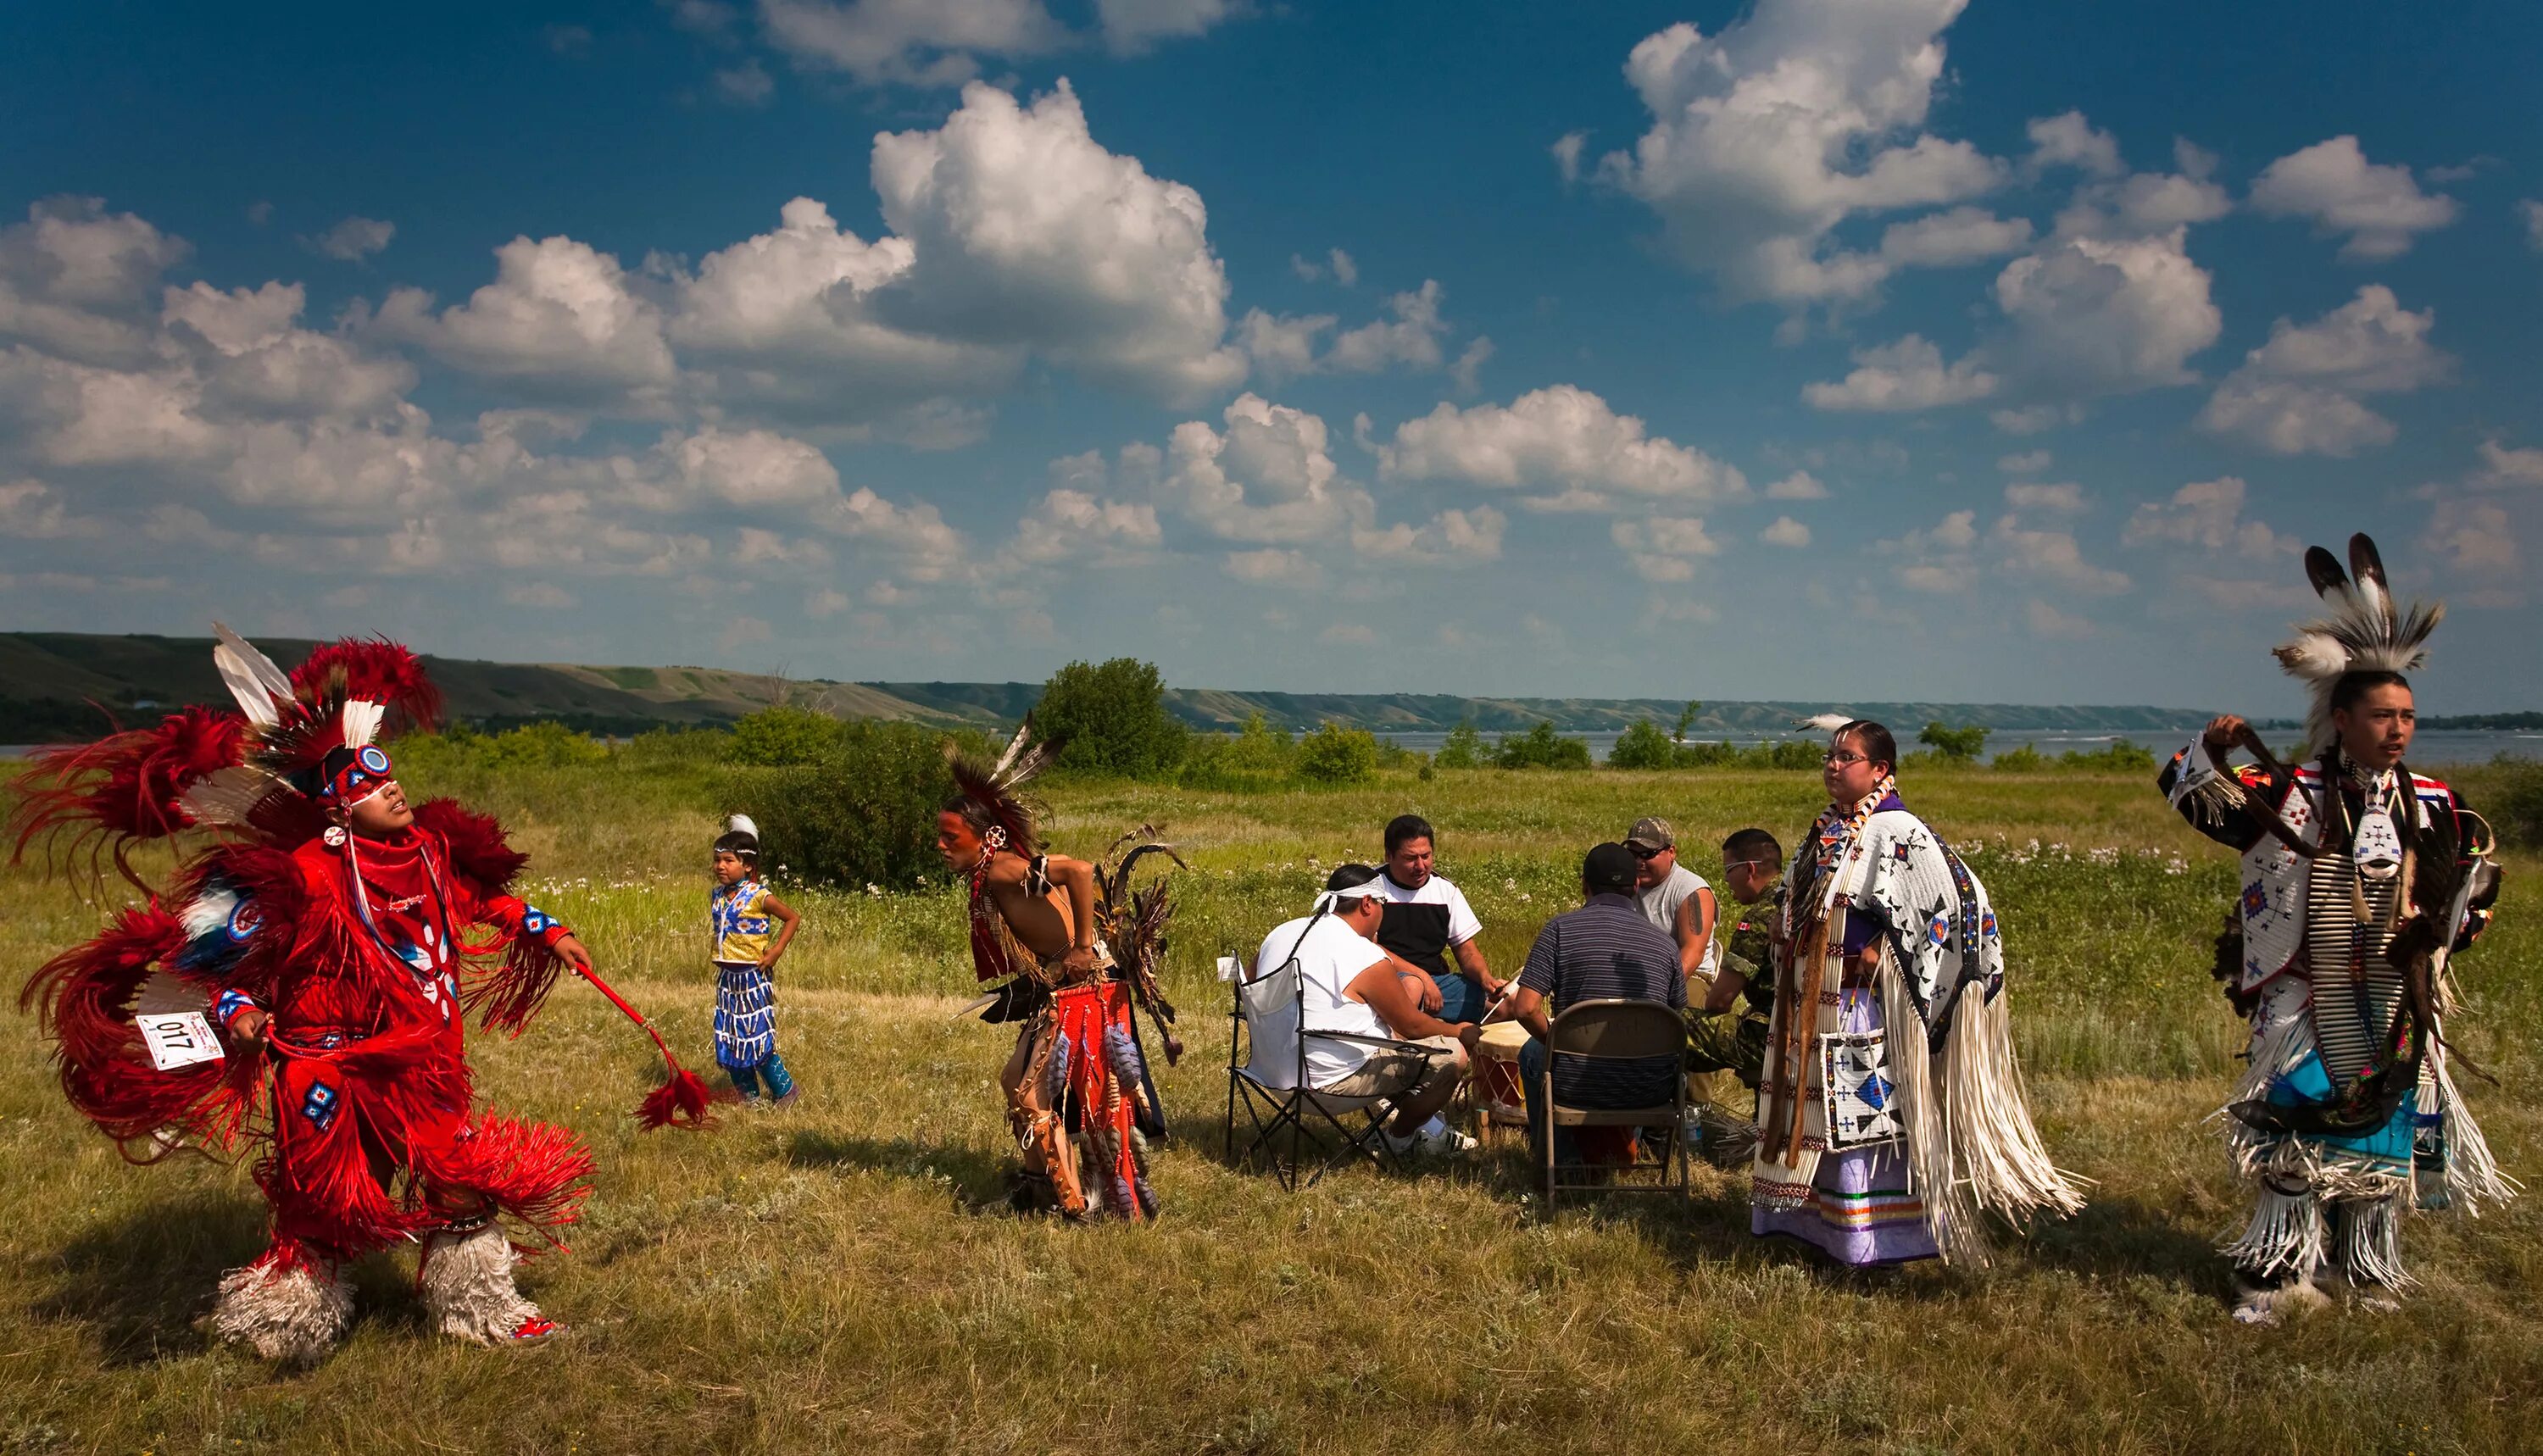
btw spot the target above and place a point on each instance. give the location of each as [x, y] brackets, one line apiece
[1677, 900]
[1350, 985]
[1427, 920]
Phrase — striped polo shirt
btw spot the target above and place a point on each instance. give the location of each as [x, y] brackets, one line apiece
[1606, 950]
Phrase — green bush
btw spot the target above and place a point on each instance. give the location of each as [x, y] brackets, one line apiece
[2515, 809]
[2121, 756]
[1787, 755]
[1643, 745]
[1257, 757]
[531, 745]
[1464, 748]
[2022, 760]
[1112, 718]
[1540, 747]
[669, 747]
[1959, 744]
[863, 813]
[782, 736]
[1334, 754]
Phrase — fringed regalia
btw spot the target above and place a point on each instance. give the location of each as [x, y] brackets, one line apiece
[365, 954]
[1080, 1101]
[1891, 1110]
[2357, 887]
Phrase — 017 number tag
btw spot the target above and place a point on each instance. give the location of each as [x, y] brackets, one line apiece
[179, 1038]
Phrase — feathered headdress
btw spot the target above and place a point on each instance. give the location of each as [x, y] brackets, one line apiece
[265, 767]
[997, 787]
[2363, 634]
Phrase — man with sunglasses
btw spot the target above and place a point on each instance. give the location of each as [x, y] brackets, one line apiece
[1675, 899]
[1727, 1033]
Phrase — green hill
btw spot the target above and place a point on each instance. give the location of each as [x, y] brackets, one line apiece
[52, 685]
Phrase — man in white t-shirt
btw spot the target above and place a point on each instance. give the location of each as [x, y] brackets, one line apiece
[1353, 987]
[1427, 920]
[1677, 900]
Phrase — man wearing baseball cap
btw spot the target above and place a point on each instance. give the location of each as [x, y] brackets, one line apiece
[1675, 899]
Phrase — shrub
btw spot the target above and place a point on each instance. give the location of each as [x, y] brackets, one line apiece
[669, 747]
[1784, 754]
[782, 735]
[1959, 744]
[1541, 747]
[1643, 745]
[1113, 719]
[2022, 760]
[2515, 809]
[1463, 749]
[1257, 756]
[2121, 756]
[863, 813]
[1334, 754]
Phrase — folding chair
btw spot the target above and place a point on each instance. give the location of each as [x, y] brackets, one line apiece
[1617, 1031]
[1270, 1082]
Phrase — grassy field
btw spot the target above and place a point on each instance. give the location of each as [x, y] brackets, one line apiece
[836, 1275]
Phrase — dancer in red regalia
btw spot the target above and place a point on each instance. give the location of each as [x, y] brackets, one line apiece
[333, 937]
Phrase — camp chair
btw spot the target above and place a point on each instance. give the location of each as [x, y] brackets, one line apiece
[1616, 1030]
[1266, 1073]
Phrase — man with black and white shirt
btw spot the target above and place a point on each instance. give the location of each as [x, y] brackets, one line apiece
[1427, 920]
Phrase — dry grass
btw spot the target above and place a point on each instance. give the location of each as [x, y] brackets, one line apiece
[826, 1276]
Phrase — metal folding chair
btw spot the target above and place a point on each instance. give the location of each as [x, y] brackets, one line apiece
[1617, 1031]
[1266, 1074]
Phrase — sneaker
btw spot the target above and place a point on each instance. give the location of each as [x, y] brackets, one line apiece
[1445, 1142]
[788, 1101]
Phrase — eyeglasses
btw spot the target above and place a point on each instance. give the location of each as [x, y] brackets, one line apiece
[1640, 853]
[1837, 758]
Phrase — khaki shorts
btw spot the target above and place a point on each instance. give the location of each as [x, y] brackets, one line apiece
[1417, 1066]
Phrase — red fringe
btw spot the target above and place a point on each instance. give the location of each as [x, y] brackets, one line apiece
[681, 1101]
[84, 998]
[123, 789]
[535, 1172]
[474, 841]
[504, 997]
[375, 670]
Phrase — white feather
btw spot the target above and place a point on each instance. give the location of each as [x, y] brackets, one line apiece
[251, 677]
[2314, 655]
[361, 722]
[1826, 723]
[209, 911]
[741, 824]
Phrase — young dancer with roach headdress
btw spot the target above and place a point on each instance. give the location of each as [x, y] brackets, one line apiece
[301, 986]
[2360, 880]
[1072, 951]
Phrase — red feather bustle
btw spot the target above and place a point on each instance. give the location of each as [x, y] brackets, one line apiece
[123, 790]
[85, 996]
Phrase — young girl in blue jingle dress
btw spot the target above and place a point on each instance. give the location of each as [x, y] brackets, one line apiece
[740, 910]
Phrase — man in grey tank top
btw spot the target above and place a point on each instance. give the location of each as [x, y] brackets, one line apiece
[1676, 899]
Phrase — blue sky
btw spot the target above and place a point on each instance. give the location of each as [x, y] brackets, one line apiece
[1823, 350]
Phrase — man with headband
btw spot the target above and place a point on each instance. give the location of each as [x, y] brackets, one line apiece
[1355, 988]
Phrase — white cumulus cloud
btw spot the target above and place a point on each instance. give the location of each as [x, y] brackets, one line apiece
[1027, 232]
[1565, 440]
[2378, 206]
[2300, 393]
[1771, 132]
